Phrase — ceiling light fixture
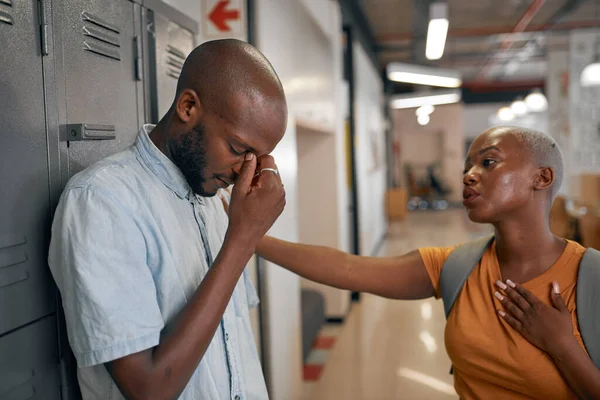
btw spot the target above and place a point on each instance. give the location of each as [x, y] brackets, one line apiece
[590, 76]
[433, 98]
[536, 101]
[423, 119]
[505, 114]
[437, 31]
[518, 107]
[427, 109]
[422, 75]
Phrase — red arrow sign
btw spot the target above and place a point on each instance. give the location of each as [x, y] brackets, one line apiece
[220, 15]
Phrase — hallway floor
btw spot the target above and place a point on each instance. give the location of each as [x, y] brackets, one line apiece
[395, 349]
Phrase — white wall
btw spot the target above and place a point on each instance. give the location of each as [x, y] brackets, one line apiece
[302, 47]
[276, 39]
[318, 215]
[370, 152]
[314, 98]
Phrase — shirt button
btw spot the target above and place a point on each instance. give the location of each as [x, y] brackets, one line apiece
[237, 397]
[227, 338]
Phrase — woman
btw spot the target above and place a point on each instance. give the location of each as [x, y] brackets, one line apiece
[513, 332]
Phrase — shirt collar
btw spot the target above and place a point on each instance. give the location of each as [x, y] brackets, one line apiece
[168, 173]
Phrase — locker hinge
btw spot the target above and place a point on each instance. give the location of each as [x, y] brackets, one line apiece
[64, 380]
[44, 40]
[44, 30]
[137, 45]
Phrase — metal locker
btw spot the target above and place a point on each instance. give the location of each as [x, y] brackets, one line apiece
[170, 39]
[26, 288]
[29, 363]
[102, 109]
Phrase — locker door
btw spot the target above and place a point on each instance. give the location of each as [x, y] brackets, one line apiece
[26, 288]
[29, 363]
[170, 45]
[100, 51]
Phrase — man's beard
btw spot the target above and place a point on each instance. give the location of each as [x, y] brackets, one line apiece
[189, 155]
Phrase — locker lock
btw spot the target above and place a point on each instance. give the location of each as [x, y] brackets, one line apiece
[78, 132]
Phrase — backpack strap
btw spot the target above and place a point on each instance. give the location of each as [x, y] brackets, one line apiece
[458, 267]
[588, 303]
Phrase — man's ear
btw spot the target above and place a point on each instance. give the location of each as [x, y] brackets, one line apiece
[544, 178]
[188, 107]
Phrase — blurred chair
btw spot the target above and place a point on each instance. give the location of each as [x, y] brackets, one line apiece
[416, 188]
[313, 318]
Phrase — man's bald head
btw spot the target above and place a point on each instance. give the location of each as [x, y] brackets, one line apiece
[221, 69]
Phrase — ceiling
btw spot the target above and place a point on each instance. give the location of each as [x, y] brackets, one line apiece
[489, 41]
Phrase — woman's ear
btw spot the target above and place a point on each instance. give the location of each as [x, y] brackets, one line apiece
[544, 179]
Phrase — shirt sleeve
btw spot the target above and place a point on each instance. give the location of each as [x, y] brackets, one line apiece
[251, 295]
[98, 259]
[434, 258]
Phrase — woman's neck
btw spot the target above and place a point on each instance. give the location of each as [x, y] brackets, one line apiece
[526, 247]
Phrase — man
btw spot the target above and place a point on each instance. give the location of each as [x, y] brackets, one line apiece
[146, 260]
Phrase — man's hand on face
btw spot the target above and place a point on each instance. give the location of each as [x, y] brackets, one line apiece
[257, 199]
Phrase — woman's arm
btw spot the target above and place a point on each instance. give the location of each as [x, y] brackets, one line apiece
[577, 368]
[403, 277]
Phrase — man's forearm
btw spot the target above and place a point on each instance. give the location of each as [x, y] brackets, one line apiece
[578, 370]
[173, 362]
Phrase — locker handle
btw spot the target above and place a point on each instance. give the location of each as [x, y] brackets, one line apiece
[137, 45]
[79, 132]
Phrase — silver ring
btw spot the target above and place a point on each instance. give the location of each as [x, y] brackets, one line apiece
[273, 170]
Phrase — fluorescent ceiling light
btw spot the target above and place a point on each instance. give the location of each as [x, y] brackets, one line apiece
[436, 38]
[536, 101]
[422, 75]
[437, 31]
[421, 99]
[428, 80]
